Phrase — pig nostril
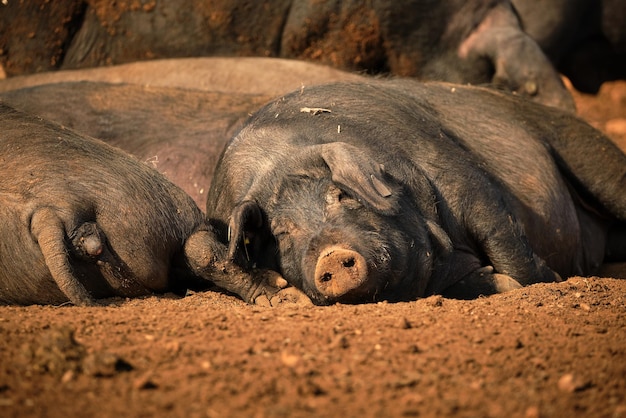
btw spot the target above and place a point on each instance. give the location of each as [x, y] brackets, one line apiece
[326, 277]
[348, 263]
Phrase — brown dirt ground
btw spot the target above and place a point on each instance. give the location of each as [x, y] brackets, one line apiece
[548, 350]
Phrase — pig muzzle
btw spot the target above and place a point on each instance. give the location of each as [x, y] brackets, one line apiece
[339, 271]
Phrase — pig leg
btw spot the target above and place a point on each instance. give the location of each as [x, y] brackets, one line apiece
[207, 258]
[49, 232]
[118, 275]
[615, 253]
[503, 241]
[491, 225]
[518, 61]
[592, 161]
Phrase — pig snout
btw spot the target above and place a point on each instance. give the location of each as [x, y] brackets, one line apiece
[339, 271]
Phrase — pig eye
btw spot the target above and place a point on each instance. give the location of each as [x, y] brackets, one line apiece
[345, 199]
[280, 233]
[335, 194]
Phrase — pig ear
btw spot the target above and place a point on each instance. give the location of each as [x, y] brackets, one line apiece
[245, 217]
[353, 169]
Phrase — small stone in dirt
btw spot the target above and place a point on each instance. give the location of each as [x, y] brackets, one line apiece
[54, 352]
[144, 382]
[340, 342]
[414, 349]
[407, 380]
[104, 365]
[289, 360]
[532, 412]
[477, 384]
[405, 324]
[67, 376]
[570, 383]
[434, 301]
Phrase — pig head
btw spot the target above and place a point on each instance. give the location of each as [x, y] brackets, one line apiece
[335, 224]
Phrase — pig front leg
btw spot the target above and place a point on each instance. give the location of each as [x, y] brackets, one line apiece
[207, 258]
[501, 238]
[49, 232]
[496, 238]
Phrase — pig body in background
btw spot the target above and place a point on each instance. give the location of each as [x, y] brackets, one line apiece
[82, 220]
[175, 114]
[235, 75]
[463, 41]
[396, 189]
[179, 132]
[585, 39]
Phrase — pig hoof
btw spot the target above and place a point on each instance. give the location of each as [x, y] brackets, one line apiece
[291, 296]
[339, 271]
[92, 245]
[288, 296]
[274, 279]
[262, 300]
[504, 283]
[88, 303]
[277, 291]
[88, 240]
[199, 250]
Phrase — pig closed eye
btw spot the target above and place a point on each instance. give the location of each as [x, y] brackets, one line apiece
[347, 200]
[282, 228]
[281, 234]
[337, 195]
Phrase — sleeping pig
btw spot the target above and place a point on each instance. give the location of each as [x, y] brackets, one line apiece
[394, 189]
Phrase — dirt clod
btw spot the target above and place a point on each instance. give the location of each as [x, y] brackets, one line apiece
[572, 383]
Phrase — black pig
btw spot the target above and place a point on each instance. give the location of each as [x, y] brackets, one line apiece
[396, 189]
[83, 220]
[461, 41]
[585, 39]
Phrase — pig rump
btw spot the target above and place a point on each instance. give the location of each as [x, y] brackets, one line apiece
[82, 219]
